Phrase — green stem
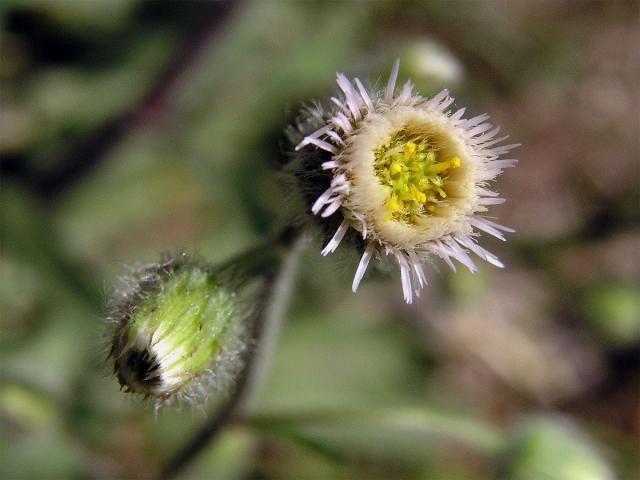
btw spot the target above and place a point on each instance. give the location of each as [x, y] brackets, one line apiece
[270, 322]
[285, 247]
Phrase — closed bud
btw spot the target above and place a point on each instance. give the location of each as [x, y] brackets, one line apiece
[178, 331]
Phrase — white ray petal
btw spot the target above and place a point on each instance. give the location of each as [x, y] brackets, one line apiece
[483, 127]
[489, 174]
[391, 85]
[445, 104]
[341, 121]
[417, 266]
[306, 140]
[489, 135]
[508, 163]
[405, 276]
[490, 201]
[331, 209]
[323, 145]
[363, 222]
[335, 137]
[435, 101]
[364, 95]
[362, 267]
[339, 180]
[337, 238]
[329, 165]
[504, 148]
[321, 201]
[481, 252]
[405, 93]
[347, 87]
[488, 143]
[476, 120]
[489, 227]
[444, 253]
[416, 281]
[351, 97]
[496, 225]
[344, 188]
[341, 105]
[458, 114]
[462, 256]
[483, 192]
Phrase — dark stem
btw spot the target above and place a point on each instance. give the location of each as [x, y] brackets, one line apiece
[275, 297]
[82, 157]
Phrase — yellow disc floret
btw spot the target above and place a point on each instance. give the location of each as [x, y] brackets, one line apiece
[413, 175]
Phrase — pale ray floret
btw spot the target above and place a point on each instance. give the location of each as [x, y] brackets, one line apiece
[391, 85]
[337, 238]
[362, 266]
[409, 176]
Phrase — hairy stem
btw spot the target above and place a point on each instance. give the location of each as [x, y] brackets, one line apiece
[267, 324]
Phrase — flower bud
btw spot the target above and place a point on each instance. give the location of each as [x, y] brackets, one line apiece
[179, 331]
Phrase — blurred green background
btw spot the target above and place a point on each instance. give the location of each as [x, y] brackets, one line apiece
[130, 128]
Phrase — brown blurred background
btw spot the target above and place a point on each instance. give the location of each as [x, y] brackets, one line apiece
[129, 128]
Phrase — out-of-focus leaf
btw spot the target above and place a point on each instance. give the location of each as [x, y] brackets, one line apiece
[613, 308]
[230, 457]
[553, 448]
[27, 409]
[21, 301]
[27, 231]
[324, 362]
[402, 432]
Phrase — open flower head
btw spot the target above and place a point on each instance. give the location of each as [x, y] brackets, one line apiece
[409, 174]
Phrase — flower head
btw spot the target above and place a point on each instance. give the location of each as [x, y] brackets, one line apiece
[179, 331]
[408, 174]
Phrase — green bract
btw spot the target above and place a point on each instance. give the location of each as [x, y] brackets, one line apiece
[177, 327]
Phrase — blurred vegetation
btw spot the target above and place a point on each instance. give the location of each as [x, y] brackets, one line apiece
[134, 127]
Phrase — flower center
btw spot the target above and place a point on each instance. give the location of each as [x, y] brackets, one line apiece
[414, 176]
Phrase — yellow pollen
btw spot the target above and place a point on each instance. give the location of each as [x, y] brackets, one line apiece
[409, 149]
[395, 168]
[393, 204]
[418, 196]
[414, 176]
[440, 167]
